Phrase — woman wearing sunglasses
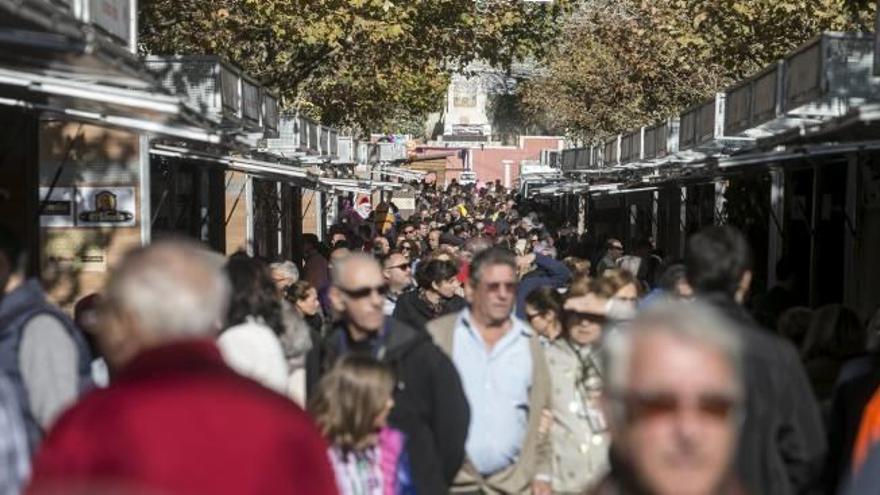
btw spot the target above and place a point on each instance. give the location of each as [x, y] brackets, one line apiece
[579, 431]
[436, 296]
[544, 313]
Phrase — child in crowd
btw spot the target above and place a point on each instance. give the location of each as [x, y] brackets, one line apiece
[351, 407]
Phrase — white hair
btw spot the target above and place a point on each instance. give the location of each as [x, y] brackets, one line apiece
[288, 268]
[692, 321]
[173, 288]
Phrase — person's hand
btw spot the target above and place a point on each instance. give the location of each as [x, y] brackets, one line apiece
[540, 487]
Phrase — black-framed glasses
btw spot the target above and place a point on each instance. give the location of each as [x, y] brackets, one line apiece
[363, 292]
[577, 317]
[532, 316]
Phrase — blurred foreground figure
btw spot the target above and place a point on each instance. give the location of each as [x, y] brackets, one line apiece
[43, 354]
[674, 395]
[176, 419]
[783, 443]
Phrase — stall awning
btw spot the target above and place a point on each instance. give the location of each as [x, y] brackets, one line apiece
[563, 188]
[342, 186]
[604, 188]
[55, 64]
[360, 186]
[103, 102]
[403, 173]
[288, 172]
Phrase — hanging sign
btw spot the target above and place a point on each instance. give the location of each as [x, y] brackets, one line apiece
[105, 207]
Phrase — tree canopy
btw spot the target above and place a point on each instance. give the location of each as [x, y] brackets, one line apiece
[620, 64]
[367, 64]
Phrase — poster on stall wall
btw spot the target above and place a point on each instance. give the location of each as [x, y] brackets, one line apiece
[57, 207]
[105, 207]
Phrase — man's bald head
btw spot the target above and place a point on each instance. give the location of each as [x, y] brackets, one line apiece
[348, 269]
[358, 292]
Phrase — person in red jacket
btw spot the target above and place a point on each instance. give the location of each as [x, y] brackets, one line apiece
[176, 419]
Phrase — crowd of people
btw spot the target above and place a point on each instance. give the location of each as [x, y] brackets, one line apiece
[478, 346]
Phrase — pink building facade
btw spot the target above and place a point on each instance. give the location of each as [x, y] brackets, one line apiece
[488, 161]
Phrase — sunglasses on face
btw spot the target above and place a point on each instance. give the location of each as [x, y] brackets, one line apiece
[363, 292]
[577, 317]
[532, 316]
[648, 406]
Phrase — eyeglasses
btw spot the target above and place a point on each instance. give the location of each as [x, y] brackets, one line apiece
[409, 231]
[363, 292]
[578, 317]
[403, 266]
[496, 286]
[532, 316]
[648, 406]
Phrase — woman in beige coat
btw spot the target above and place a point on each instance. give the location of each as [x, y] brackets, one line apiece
[579, 432]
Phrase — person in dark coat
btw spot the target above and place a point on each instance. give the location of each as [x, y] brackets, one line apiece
[430, 407]
[176, 419]
[783, 445]
[538, 271]
[436, 296]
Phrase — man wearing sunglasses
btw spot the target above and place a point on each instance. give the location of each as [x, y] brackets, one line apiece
[429, 404]
[397, 271]
[613, 252]
[674, 397]
[505, 376]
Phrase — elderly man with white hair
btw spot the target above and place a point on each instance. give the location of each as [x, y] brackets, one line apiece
[674, 395]
[176, 419]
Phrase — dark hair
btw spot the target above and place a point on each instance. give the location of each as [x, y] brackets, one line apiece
[434, 271]
[491, 257]
[835, 331]
[671, 277]
[716, 259]
[545, 299]
[340, 245]
[414, 250]
[310, 240]
[253, 293]
[794, 324]
[298, 291]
